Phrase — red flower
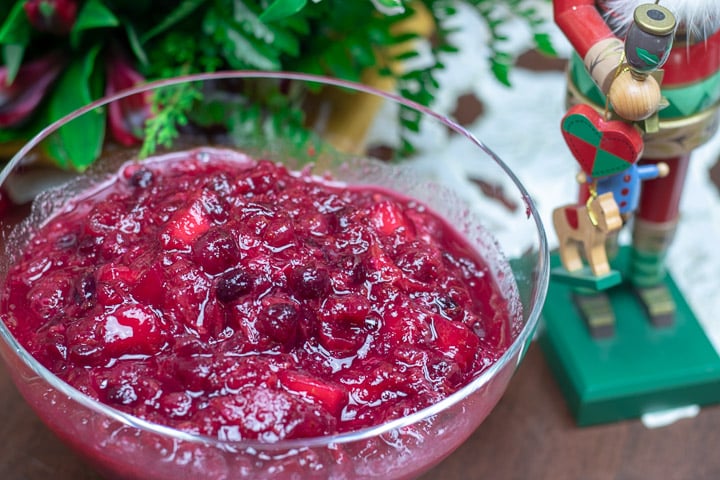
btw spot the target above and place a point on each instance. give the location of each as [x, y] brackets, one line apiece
[19, 98]
[53, 16]
[127, 116]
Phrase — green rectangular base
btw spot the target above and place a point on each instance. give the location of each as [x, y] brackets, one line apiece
[640, 369]
[585, 279]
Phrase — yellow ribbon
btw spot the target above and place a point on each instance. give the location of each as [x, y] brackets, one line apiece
[592, 188]
[622, 67]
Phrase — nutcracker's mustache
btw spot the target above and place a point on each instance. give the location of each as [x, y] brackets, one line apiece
[701, 18]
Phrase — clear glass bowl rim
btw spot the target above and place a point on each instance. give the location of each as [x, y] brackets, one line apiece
[516, 349]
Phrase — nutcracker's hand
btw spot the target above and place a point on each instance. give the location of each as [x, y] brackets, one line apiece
[602, 61]
[633, 93]
[634, 97]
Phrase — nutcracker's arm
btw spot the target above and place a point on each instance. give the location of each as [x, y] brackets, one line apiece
[622, 68]
[581, 23]
[591, 38]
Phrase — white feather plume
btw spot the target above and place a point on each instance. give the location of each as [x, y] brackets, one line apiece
[701, 18]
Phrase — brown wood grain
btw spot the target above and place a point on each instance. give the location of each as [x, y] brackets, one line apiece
[529, 435]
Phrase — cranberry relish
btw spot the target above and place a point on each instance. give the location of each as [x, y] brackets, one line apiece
[231, 297]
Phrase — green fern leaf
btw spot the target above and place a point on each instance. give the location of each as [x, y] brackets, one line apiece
[280, 9]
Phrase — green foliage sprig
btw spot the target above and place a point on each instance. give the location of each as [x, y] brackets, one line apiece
[166, 38]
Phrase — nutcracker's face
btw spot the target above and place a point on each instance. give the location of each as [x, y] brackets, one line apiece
[700, 17]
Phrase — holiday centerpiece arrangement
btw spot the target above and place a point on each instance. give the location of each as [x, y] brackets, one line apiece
[58, 55]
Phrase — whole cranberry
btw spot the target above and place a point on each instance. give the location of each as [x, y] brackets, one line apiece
[279, 321]
[310, 281]
[141, 178]
[352, 308]
[280, 232]
[215, 251]
[233, 284]
[341, 338]
[131, 329]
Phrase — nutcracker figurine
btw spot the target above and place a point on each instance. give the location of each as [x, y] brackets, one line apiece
[655, 67]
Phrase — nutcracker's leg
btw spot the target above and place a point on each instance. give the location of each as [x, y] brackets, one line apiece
[595, 308]
[653, 232]
[612, 242]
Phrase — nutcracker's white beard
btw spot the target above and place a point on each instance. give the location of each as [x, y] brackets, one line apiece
[700, 17]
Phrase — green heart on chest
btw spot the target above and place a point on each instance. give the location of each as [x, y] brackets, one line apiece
[601, 147]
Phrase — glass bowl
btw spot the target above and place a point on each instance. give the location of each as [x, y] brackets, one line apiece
[349, 125]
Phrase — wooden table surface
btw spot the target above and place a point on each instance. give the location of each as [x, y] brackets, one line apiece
[529, 435]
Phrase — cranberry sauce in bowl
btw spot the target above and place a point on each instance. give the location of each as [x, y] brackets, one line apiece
[219, 315]
[234, 298]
